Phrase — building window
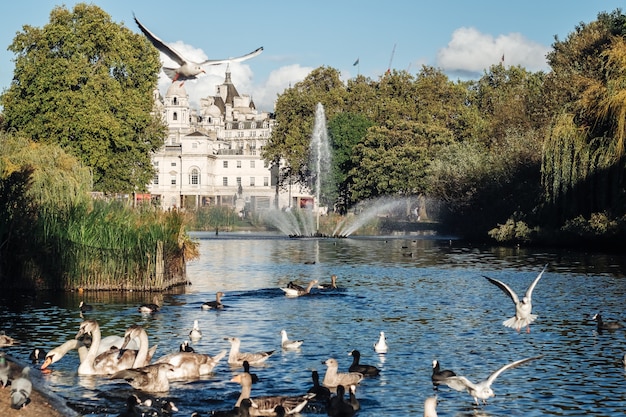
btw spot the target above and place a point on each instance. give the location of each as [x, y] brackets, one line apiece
[239, 181]
[251, 181]
[175, 116]
[225, 181]
[229, 126]
[175, 101]
[156, 163]
[173, 180]
[195, 177]
[253, 125]
[225, 164]
[266, 181]
[173, 164]
[252, 164]
[238, 164]
[241, 126]
[155, 180]
[194, 145]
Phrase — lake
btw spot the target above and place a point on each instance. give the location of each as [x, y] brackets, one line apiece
[426, 293]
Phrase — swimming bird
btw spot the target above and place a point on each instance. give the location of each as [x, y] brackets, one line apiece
[381, 345]
[246, 368]
[354, 402]
[187, 70]
[430, 407]
[366, 370]
[4, 370]
[337, 405]
[184, 347]
[106, 343]
[37, 355]
[606, 325]
[150, 378]
[523, 316]
[438, 375]
[188, 365]
[333, 378]
[195, 333]
[214, 305]
[235, 357]
[289, 344]
[84, 307]
[482, 390]
[322, 393]
[21, 388]
[150, 307]
[266, 405]
[6, 340]
[297, 291]
[331, 286]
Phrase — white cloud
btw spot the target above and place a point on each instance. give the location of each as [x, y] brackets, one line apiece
[263, 94]
[470, 51]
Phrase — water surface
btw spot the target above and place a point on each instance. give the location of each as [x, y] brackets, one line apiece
[428, 296]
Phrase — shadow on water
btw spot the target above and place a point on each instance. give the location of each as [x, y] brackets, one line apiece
[427, 295]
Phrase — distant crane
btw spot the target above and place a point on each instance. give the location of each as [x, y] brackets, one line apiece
[393, 51]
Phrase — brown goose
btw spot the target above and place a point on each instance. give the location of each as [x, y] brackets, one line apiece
[266, 405]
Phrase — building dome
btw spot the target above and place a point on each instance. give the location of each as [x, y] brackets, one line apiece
[177, 90]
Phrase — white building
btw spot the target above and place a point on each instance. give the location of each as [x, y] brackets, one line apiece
[212, 156]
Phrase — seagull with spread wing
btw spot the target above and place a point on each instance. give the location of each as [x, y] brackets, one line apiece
[523, 316]
[188, 70]
[482, 390]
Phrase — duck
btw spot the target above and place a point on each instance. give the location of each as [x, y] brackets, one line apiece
[21, 388]
[332, 378]
[153, 307]
[150, 378]
[6, 340]
[113, 360]
[266, 405]
[236, 358]
[299, 291]
[322, 393]
[195, 333]
[430, 407]
[523, 308]
[331, 286]
[5, 369]
[246, 368]
[337, 405]
[289, 344]
[438, 375]
[190, 365]
[606, 325]
[184, 347]
[366, 370]
[36, 355]
[381, 345]
[84, 307]
[214, 305]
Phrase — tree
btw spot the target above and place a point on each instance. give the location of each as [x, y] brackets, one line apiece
[86, 83]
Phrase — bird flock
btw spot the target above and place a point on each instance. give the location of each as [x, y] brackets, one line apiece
[130, 359]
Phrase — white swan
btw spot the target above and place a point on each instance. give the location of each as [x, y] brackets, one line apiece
[113, 360]
[106, 343]
[289, 344]
[190, 364]
[236, 358]
[294, 291]
[332, 378]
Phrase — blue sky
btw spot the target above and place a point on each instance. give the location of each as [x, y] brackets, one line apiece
[461, 37]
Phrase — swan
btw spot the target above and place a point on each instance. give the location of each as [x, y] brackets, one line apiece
[195, 334]
[438, 375]
[482, 390]
[106, 343]
[523, 316]
[293, 290]
[235, 357]
[265, 406]
[150, 378]
[21, 388]
[190, 364]
[366, 370]
[150, 307]
[214, 305]
[381, 345]
[113, 360]
[289, 344]
[332, 378]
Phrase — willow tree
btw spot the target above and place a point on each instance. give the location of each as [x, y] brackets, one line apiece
[85, 82]
[583, 166]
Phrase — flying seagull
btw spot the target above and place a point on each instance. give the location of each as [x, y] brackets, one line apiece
[523, 307]
[188, 70]
[482, 390]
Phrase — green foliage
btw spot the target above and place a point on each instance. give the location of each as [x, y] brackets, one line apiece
[85, 82]
[513, 231]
